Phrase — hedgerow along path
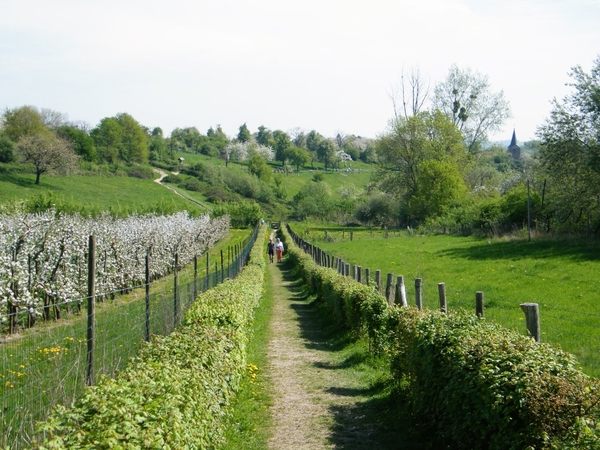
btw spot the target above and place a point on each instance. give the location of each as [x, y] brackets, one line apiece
[327, 391]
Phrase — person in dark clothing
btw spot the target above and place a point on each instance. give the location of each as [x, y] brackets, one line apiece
[271, 249]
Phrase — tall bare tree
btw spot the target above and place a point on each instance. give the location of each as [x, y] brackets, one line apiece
[411, 95]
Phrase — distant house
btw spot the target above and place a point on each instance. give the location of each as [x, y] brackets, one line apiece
[513, 148]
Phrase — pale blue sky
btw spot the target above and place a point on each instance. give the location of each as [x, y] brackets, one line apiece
[327, 65]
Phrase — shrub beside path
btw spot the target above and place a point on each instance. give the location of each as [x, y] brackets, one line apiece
[321, 399]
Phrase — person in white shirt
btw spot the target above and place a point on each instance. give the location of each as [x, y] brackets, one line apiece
[279, 249]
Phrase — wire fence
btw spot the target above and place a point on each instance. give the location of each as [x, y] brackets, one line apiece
[576, 330]
[49, 365]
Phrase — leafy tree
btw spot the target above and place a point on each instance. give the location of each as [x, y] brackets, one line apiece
[466, 98]
[47, 152]
[81, 142]
[6, 150]
[279, 190]
[440, 186]
[244, 134]
[259, 167]
[299, 156]
[313, 140]
[410, 143]
[189, 139]
[570, 145]
[108, 139]
[513, 206]
[378, 209]
[217, 141]
[158, 149]
[281, 146]
[134, 140]
[326, 152]
[299, 138]
[313, 200]
[265, 137]
[23, 121]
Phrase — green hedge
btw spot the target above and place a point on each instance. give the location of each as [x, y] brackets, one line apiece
[469, 383]
[356, 307]
[176, 393]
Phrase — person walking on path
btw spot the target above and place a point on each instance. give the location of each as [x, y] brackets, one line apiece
[279, 249]
[271, 249]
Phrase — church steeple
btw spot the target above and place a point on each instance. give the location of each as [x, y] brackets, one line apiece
[513, 141]
[513, 148]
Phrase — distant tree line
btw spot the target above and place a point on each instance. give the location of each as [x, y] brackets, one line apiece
[435, 167]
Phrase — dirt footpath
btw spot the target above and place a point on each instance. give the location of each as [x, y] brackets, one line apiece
[316, 406]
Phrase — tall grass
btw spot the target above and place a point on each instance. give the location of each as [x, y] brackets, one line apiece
[560, 275]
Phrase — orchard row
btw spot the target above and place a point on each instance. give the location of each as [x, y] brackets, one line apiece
[44, 256]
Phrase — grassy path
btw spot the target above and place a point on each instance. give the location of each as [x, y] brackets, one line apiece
[326, 394]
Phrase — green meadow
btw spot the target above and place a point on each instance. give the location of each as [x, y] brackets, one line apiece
[120, 195]
[560, 275]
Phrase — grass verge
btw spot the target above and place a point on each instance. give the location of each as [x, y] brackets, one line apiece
[250, 422]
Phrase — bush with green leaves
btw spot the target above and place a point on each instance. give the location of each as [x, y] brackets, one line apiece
[354, 306]
[242, 183]
[242, 214]
[177, 392]
[192, 184]
[472, 383]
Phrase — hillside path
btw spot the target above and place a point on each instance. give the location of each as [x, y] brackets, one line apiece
[316, 403]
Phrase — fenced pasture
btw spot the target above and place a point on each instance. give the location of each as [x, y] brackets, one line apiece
[49, 364]
[559, 275]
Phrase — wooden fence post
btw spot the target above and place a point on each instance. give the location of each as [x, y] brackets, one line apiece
[442, 292]
[378, 280]
[91, 323]
[359, 274]
[401, 292]
[389, 289]
[532, 318]
[479, 304]
[367, 276]
[419, 293]
[347, 269]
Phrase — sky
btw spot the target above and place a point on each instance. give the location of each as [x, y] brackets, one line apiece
[328, 65]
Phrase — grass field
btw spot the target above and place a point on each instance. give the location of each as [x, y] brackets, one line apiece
[116, 194]
[561, 276]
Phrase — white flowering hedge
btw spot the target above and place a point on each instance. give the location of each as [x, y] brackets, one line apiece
[43, 256]
[242, 151]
